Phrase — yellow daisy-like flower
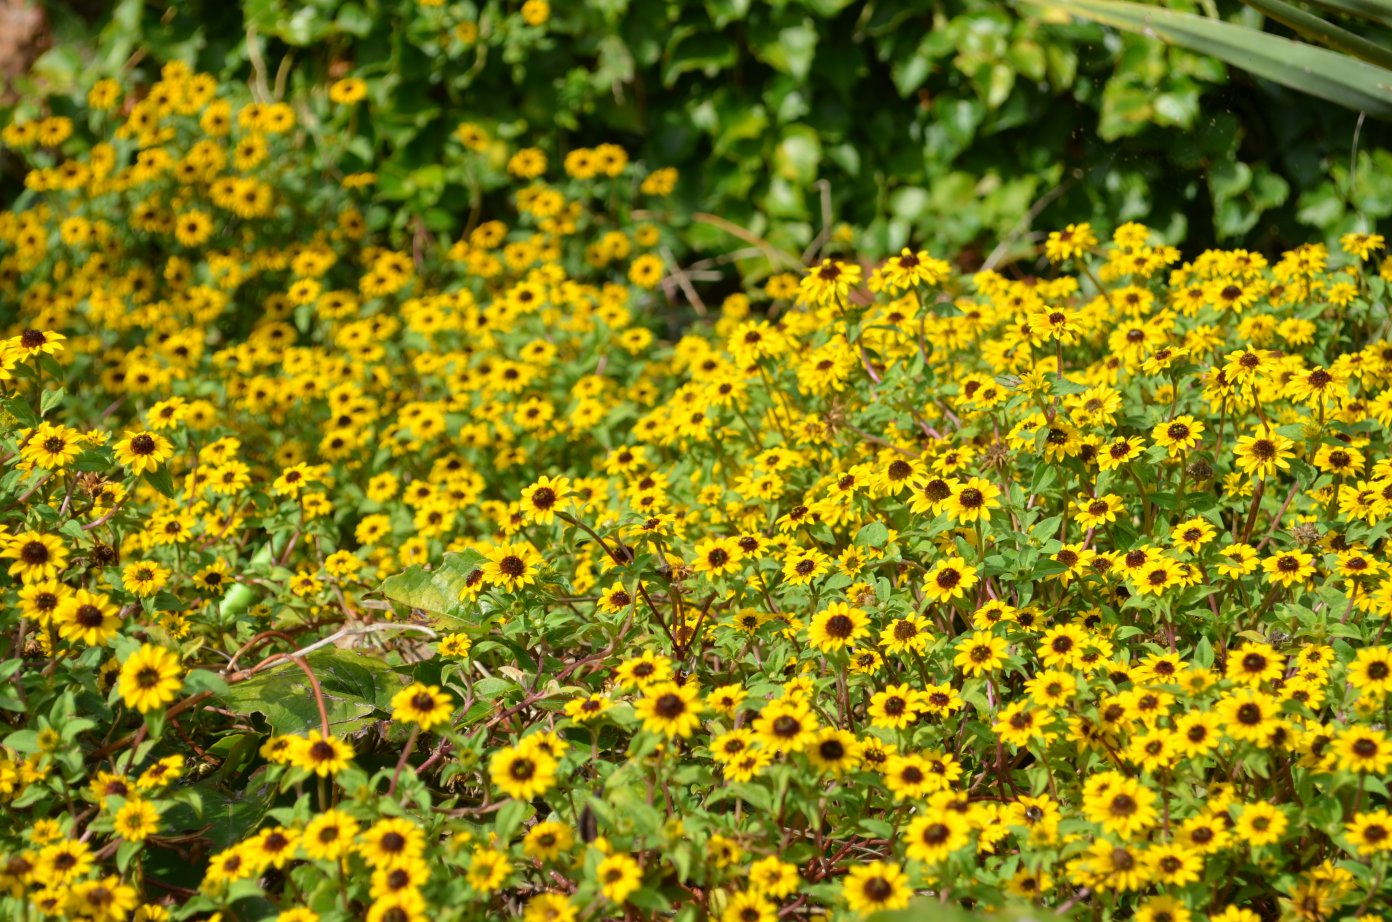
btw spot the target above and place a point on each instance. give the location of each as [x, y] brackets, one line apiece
[512, 565]
[87, 617]
[837, 626]
[542, 500]
[1073, 241]
[522, 771]
[619, 876]
[426, 706]
[875, 886]
[142, 452]
[150, 678]
[670, 709]
[830, 282]
[949, 579]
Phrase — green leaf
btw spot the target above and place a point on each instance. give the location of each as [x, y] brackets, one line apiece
[161, 480]
[354, 20]
[708, 53]
[791, 51]
[222, 815]
[798, 155]
[1379, 11]
[19, 408]
[356, 687]
[1320, 72]
[438, 591]
[510, 819]
[50, 399]
[1326, 33]
[873, 535]
[203, 680]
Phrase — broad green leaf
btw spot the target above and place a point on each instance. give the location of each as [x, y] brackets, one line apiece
[791, 51]
[873, 535]
[1320, 72]
[798, 155]
[50, 399]
[161, 480]
[355, 687]
[19, 408]
[438, 591]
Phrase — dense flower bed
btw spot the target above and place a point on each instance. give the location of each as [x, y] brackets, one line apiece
[357, 578]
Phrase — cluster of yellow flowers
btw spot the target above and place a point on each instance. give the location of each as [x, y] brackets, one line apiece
[355, 579]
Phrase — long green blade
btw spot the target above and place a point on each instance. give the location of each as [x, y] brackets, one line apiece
[1326, 33]
[1331, 76]
[1379, 11]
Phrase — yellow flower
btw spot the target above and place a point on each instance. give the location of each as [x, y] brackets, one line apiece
[646, 271]
[150, 678]
[393, 842]
[934, 836]
[837, 626]
[322, 755]
[348, 91]
[1370, 832]
[512, 565]
[523, 771]
[670, 709]
[136, 821]
[536, 12]
[830, 282]
[1073, 241]
[981, 652]
[1362, 245]
[972, 500]
[949, 579]
[329, 835]
[875, 886]
[543, 499]
[425, 706]
[142, 452]
[619, 876]
[488, 870]
[52, 447]
[37, 557]
[1263, 454]
[1178, 435]
[1290, 568]
[1260, 823]
[87, 617]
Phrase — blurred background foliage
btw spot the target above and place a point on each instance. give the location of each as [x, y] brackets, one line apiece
[950, 123]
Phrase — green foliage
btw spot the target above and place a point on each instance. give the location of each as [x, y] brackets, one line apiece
[910, 114]
[354, 688]
[1353, 74]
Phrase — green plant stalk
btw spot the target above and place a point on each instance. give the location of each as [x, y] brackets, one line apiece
[1322, 31]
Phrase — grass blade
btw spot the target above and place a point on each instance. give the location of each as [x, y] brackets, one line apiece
[1326, 33]
[1335, 77]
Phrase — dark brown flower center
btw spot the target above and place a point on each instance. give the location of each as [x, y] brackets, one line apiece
[670, 706]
